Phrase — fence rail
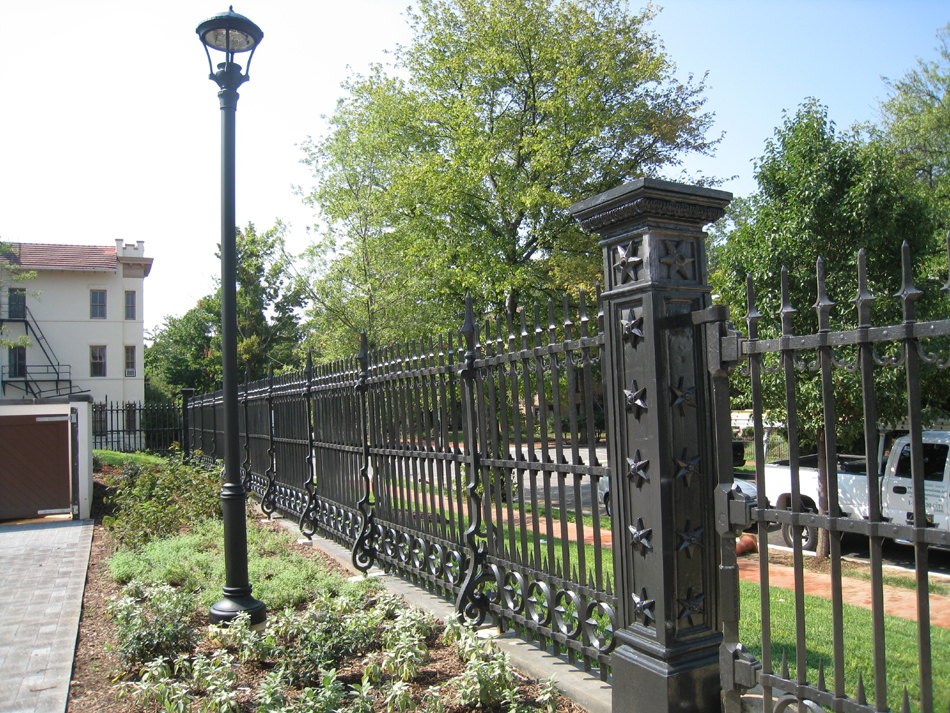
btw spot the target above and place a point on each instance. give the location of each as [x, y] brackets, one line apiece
[469, 464]
[135, 426]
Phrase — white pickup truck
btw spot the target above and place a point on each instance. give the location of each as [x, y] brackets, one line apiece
[896, 489]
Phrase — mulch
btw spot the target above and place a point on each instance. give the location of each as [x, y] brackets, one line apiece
[96, 663]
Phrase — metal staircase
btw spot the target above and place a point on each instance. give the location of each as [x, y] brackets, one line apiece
[36, 380]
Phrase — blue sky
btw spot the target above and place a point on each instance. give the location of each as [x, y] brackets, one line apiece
[113, 131]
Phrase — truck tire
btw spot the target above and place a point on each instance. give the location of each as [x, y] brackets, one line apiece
[809, 536]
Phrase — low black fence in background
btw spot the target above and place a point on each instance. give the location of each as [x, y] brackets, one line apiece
[133, 426]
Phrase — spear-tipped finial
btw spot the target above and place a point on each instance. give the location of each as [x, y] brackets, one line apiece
[864, 297]
[753, 315]
[823, 304]
[786, 311]
[908, 294]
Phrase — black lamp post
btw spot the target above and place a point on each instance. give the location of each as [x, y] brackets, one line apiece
[231, 34]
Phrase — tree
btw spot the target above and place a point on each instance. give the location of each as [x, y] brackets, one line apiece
[186, 351]
[916, 118]
[825, 194]
[12, 274]
[497, 117]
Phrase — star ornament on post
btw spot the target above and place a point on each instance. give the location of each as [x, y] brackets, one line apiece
[643, 606]
[687, 468]
[692, 606]
[676, 259]
[632, 328]
[636, 399]
[638, 469]
[640, 536]
[628, 262]
[690, 539]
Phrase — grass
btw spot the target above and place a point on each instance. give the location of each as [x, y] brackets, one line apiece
[117, 459]
[195, 561]
[900, 636]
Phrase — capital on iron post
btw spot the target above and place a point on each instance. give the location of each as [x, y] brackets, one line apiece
[662, 451]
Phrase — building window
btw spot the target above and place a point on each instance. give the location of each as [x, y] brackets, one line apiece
[17, 303]
[17, 363]
[130, 361]
[97, 361]
[97, 304]
[130, 305]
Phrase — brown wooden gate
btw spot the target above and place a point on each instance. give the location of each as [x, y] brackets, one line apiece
[34, 465]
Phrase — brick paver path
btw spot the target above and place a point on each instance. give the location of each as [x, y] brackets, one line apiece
[43, 568]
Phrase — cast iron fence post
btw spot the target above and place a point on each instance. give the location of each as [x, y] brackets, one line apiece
[186, 396]
[662, 430]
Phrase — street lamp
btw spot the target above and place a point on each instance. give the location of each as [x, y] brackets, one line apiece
[231, 34]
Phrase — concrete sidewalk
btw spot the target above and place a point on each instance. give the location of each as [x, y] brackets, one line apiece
[43, 565]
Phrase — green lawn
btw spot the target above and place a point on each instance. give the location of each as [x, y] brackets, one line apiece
[900, 637]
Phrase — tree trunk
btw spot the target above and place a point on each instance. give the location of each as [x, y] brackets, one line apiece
[824, 543]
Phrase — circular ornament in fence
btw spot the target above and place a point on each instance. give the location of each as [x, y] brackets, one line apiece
[567, 608]
[435, 560]
[599, 621]
[490, 584]
[454, 567]
[513, 592]
[404, 548]
[389, 542]
[538, 603]
[419, 553]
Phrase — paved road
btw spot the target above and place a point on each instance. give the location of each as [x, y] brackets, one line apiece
[44, 574]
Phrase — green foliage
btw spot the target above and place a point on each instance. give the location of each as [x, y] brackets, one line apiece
[550, 695]
[916, 119]
[824, 194]
[155, 501]
[186, 350]
[152, 621]
[452, 170]
[485, 680]
[121, 460]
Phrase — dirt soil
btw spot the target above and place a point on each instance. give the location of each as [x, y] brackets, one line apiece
[92, 688]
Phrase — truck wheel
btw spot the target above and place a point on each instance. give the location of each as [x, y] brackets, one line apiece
[809, 536]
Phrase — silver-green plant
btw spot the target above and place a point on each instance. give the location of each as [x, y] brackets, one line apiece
[361, 698]
[399, 698]
[550, 695]
[325, 699]
[152, 621]
[434, 700]
[270, 695]
[156, 688]
[485, 680]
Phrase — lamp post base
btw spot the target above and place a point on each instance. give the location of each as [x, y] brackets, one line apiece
[235, 602]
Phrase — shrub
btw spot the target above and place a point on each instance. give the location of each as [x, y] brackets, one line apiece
[152, 622]
[154, 501]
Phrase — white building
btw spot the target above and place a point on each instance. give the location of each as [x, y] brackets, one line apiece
[82, 314]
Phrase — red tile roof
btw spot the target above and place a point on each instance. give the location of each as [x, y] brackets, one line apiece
[36, 256]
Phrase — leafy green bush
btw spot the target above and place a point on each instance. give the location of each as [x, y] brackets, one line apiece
[152, 622]
[154, 501]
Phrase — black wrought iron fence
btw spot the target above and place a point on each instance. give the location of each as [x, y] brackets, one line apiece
[135, 426]
[793, 669]
[470, 464]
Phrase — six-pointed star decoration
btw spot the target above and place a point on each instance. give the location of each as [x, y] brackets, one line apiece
[638, 469]
[643, 606]
[692, 605]
[632, 328]
[690, 539]
[628, 262]
[636, 399]
[640, 536]
[686, 468]
[676, 258]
